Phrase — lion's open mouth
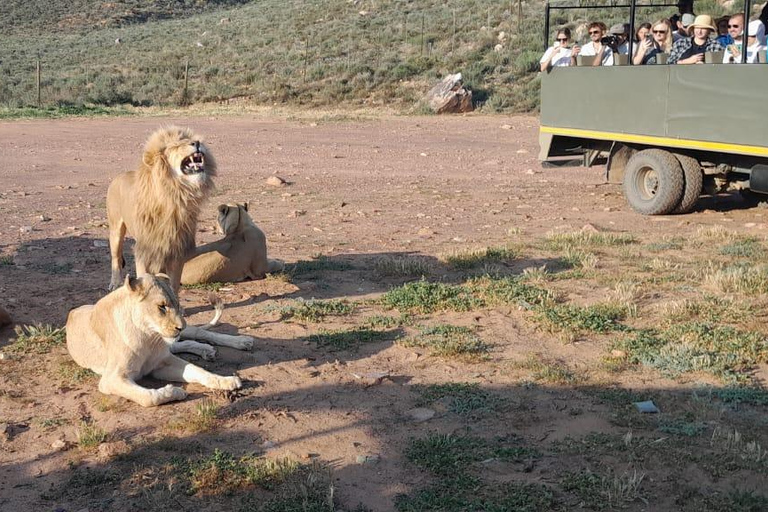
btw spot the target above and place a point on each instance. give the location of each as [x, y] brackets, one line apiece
[193, 164]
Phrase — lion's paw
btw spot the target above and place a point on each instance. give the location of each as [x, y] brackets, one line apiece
[227, 383]
[243, 342]
[207, 352]
[170, 393]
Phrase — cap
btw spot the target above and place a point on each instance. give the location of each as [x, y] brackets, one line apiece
[688, 19]
[618, 29]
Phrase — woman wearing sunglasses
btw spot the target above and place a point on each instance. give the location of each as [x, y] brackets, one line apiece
[660, 42]
[558, 54]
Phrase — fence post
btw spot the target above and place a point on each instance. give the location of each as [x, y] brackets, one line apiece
[405, 27]
[38, 83]
[453, 37]
[519, 16]
[306, 58]
[186, 81]
[422, 34]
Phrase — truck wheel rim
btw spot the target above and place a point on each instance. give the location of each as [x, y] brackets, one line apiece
[648, 182]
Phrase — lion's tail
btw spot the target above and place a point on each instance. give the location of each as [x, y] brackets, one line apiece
[218, 306]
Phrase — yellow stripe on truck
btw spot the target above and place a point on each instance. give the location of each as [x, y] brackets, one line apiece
[739, 149]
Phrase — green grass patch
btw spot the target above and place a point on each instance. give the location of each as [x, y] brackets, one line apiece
[6, 260]
[309, 268]
[402, 266]
[37, 339]
[600, 492]
[510, 290]
[57, 112]
[75, 374]
[316, 310]
[571, 320]
[674, 244]
[582, 239]
[210, 287]
[450, 341]
[388, 321]
[454, 461]
[349, 339]
[748, 247]
[548, 371]
[222, 473]
[723, 351]
[426, 297]
[89, 436]
[462, 398]
[471, 259]
[682, 427]
[742, 395]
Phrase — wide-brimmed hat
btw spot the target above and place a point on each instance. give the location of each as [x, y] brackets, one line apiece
[704, 21]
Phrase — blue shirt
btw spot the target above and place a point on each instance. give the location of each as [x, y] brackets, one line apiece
[725, 40]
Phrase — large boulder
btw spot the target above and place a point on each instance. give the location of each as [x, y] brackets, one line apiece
[450, 96]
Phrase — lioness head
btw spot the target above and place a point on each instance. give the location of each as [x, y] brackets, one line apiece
[155, 307]
[182, 153]
[232, 216]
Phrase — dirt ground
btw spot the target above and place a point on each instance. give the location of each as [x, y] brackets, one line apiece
[358, 191]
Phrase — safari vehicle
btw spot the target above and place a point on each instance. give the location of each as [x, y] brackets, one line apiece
[669, 132]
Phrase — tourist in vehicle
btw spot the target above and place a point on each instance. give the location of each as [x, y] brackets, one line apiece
[683, 25]
[661, 42]
[597, 30]
[723, 37]
[559, 54]
[755, 44]
[735, 28]
[621, 31]
[691, 50]
[644, 29]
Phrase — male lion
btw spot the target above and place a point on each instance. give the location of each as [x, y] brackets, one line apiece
[128, 334]
[159, 204]
[240, 255]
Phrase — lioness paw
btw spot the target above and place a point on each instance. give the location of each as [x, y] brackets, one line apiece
[228, 383]
[170, 393]
[244, 343]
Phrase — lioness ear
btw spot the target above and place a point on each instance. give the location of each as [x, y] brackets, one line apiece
[131, 283]
[223, 209]
[245, 206]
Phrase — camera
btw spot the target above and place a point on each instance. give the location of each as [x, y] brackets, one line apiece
[611, 40]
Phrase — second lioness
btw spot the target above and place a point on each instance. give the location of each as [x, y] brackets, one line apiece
[240, 255]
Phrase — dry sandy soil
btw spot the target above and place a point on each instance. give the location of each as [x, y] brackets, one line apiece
[358, 191]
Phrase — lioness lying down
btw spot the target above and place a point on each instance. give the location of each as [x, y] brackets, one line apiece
[128, 334]
[241, 254]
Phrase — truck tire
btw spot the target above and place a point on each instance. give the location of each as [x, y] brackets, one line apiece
[694, 181]
[653, 182]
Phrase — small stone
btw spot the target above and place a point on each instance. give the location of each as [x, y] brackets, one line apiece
[618, 354]
[421, 414]
[589, 228]
[44, 218]
[276, 181]
[647, 407]
[506, 127]
[425, 232]
[530, 171]
[100, 243]
[268, 445]
[298, 213]
[59, 445]
[368, 459]
[25, 229]
[522, 151]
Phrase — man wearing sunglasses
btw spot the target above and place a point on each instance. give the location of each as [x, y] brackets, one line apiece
[594, 47]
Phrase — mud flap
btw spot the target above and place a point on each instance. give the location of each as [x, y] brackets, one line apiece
[617, 161]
